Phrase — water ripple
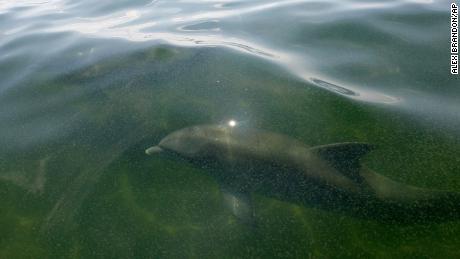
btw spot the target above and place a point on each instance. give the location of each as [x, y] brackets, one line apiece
[192, 23]
[333, 87]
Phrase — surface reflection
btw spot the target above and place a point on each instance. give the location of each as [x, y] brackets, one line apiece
[206, 24]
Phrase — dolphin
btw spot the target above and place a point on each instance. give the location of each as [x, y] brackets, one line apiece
[245, 160]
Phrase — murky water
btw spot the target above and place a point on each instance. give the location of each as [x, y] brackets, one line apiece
[87, 86]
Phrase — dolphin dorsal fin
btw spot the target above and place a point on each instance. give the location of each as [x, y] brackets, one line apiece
[344, 156]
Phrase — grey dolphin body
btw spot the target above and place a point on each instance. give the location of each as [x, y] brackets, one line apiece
[244, 160]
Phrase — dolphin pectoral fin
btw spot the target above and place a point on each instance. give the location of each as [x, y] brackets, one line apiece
[153, 150]
[344, 156]
[240, 204]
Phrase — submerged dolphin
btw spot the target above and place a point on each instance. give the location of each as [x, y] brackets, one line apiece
[245, 160]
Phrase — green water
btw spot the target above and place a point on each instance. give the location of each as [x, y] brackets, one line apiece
[78, 109]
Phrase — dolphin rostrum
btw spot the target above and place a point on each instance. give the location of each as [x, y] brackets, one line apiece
[245, 160]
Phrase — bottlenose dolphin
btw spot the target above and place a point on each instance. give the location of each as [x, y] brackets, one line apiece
[246, 160]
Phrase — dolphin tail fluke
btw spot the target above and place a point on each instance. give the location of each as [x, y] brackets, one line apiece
[386, 189]
[412, 202]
